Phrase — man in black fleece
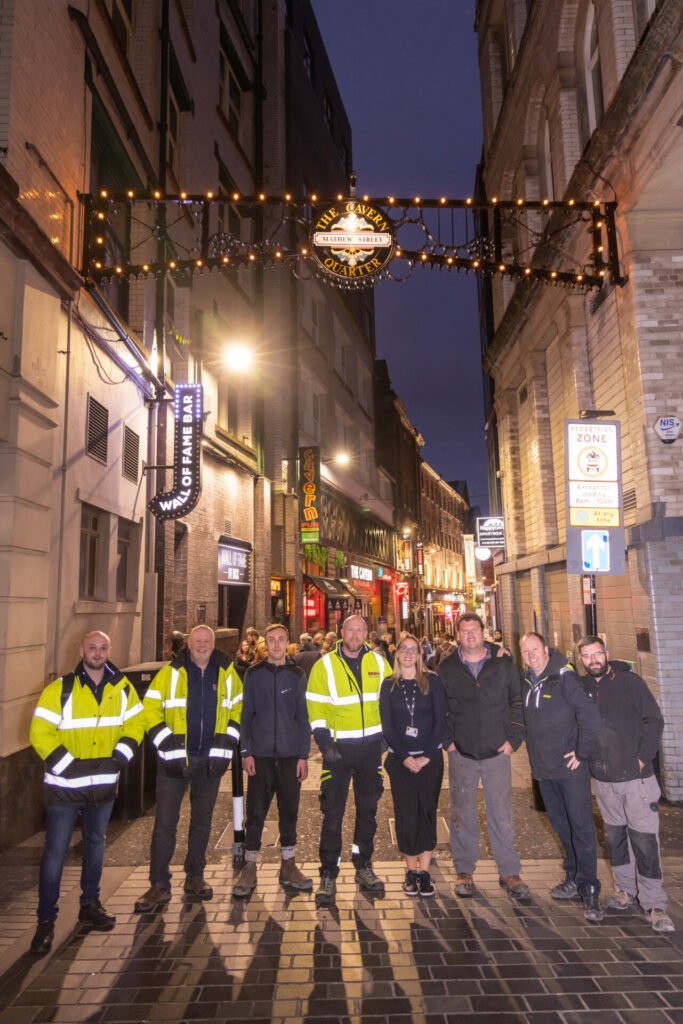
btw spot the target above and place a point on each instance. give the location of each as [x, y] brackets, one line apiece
[625, 785]
[275, 740]
[562, 726]
[484, 725]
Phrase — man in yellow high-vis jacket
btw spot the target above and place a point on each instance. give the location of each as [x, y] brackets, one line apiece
[86, 727]
[343, 709]
[192, 713]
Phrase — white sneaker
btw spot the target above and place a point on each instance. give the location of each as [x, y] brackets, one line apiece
[660, 921]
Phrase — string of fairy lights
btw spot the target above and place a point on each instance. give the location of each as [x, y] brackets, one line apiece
[602, 264]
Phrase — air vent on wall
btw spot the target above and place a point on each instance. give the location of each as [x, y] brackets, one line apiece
[97, 430]
[131, 454]
[629, 499]
[227, 527]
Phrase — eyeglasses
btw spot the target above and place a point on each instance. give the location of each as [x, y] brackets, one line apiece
[409, 650]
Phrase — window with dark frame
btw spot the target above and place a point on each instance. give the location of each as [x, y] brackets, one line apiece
[89, 551]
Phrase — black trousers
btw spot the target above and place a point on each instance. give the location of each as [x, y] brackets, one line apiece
[569, 804]
[170, 793]
[274, 777]
[363, 765]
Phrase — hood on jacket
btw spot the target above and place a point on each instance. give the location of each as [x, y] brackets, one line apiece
[557, 665]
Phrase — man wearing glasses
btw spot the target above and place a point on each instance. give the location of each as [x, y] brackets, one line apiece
[625, 784]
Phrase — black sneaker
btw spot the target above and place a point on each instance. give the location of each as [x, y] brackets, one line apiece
[97, 917]
[426, 884]
[566, 890]
[41, 943]
[410, 885]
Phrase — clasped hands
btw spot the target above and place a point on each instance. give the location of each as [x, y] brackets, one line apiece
[415, 764]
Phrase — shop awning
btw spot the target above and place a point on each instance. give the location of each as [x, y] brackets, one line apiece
[329, 587]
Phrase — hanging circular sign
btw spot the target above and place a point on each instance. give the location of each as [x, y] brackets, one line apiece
[353, 240]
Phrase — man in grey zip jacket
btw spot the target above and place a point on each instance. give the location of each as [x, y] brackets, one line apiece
[562, 726]
[275, 741]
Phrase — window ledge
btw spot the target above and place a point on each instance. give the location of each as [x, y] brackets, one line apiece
[91, 607]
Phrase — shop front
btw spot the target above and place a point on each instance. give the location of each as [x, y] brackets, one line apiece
[234, 581]
[281, 600]
[443, 609]
[361, 581]
[327, 602]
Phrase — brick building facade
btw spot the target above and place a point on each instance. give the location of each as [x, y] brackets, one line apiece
[584, 100]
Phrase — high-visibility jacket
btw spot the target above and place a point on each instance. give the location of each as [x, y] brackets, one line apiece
[338, 709]
[85, 742]
[166, 715]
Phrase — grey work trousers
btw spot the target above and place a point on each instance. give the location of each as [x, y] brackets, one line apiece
[495, 774]
[629, 811]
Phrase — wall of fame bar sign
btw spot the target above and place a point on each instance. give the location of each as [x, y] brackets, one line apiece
[353, 240]
[187, 454]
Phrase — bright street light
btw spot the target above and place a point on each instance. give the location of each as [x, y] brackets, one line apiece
[238, 358]
[342, 458]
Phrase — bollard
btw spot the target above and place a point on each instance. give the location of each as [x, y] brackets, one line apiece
[237, 810]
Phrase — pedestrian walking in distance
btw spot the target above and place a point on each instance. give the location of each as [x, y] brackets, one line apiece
[192, 713]
[624, 782]
[87, 726]
[275, 742]
[484, 725]
[412, 708]
[562, 726]
[343, 708]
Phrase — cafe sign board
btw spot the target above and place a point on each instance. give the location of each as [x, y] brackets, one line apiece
[352, 240]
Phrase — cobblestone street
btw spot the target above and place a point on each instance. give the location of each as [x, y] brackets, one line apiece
[274, 957]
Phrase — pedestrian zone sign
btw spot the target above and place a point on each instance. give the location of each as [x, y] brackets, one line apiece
[595, 516]
[595, 551]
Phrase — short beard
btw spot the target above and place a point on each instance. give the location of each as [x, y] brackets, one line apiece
[596, 672]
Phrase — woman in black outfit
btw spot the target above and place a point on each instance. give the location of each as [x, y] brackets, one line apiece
[243, 658]
[413, 713]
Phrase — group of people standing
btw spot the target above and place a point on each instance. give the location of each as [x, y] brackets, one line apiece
[477, 706]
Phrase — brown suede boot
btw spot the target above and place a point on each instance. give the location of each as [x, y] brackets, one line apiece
[246, 880]
[292, 878]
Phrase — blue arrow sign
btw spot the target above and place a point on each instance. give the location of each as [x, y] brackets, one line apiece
[595, 550]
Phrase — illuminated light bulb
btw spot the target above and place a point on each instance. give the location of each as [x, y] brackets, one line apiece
[98, 265]
[365, 198]
[199, 263]
[600, 248]
[183, 195]
[209, 195]
[278, 255]
[157, 195]
[100, 216]
[520, 202]
[99, 240]
[288, 197]
[130, 193]
[579, 277]
[571, 202]
[339, 196]
[449, 260]
[495, 199]
[598, 224]
[442, 200]
[252, 257]
[475, 263]
[468, 201]
[417, 200]
[501, 267]
[314, 198]
[119, 270]
[527, 270]
[391, 200]
[601, 273]
[145, 266]
[261, 196]
[546, 202]
[104, 193]
[304, 252]
[553, 273]
[398, 251]
[423, 256]
[172, 264]
[235, 196]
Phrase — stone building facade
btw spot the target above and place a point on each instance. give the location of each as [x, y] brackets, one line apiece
[584, 100]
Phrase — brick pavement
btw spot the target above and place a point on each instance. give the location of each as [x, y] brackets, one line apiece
[275, 958]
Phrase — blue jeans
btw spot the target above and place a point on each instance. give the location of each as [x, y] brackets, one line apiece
[60, 821]
[569, 804]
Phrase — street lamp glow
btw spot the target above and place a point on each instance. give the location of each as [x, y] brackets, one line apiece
[238, 358]
[342, 458]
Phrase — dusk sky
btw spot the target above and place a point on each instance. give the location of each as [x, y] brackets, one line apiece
[415, 114]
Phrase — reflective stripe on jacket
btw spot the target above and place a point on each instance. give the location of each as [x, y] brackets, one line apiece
[166, 715]
[337, 704]
[84, 743]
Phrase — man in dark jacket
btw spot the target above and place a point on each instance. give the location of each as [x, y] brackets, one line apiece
[484, 725]
[625, 785]
[308, 654]
[275, 741]
[562, 726]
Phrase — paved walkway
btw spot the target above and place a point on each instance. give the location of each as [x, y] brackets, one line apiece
[391, 961]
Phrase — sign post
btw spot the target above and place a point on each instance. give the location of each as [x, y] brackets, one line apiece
[595, 517]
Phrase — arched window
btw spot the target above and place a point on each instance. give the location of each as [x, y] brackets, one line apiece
[593, 71]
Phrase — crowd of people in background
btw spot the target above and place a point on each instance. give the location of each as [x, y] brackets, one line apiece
[359, 695]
